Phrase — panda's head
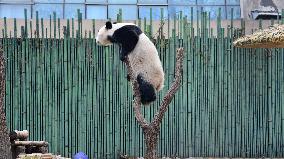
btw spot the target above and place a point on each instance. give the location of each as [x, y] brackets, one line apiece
[104, 33]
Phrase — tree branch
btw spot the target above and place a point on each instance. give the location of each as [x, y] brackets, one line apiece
[173, 89]
[137, 97]
[4, 137]
[166, 100]
[151, 131]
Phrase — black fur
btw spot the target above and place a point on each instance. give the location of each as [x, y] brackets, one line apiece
[108, 25]
[111, 39]
[127, 38]
[147, 90]
[128, 77]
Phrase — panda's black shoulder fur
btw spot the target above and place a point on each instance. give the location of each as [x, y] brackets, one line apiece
[127, 28]
[127, 36]
[126, 33]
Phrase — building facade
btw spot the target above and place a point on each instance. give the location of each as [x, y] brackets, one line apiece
[103, 9]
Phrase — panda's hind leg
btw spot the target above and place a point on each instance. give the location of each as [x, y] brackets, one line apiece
[147, 91]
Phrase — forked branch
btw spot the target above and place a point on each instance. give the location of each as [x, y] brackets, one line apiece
[166, 100]
[172, 91]
[137, 99]
[4, 137]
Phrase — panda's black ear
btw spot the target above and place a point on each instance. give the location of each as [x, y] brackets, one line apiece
[108, 25]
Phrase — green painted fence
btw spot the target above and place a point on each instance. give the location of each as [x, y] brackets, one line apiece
[75, 95]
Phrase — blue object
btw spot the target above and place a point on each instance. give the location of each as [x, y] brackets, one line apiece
[80, 155]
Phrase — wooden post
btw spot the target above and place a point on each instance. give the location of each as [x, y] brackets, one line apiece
[151, 131]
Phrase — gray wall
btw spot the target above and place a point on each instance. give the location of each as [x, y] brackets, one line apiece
[248, 5]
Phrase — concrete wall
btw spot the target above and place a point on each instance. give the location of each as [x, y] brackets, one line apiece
[87, 26]
[248, 5]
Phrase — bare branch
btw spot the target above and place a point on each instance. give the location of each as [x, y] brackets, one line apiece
[151, 131]
[137, 97]
[4, 137]
[166, 100]
[173, 89]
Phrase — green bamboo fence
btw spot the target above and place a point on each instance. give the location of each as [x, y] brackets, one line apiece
[74, 94]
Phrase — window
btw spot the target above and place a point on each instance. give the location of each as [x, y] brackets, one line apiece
[74, 1]
[48, 1]
[185, 2]
[96, 1]
[71, 10]
[122, 1]
[104, 9]
[144, 12]
[236, 12]
[45, 10]
[129, 12]
[96, 12]
[152, 2]
[186, 10]
[211, 2]
[214, 11]
[8, 10]
[16, 1]
[233, 2]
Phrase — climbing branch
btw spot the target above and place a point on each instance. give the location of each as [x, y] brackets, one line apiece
[151, 131]
[4, 137]
[137, 99]
[166, 100]
[172, 91]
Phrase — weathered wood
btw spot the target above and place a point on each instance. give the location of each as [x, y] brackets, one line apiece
[42, 156]
[17, 150]
[151, 131]
[5, 149]
[29, 143]
[21, 135]
[36, 149]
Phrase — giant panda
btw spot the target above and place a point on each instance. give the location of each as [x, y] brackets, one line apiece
[142, 54]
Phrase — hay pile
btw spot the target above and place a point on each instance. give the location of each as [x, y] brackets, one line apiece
[273, 37]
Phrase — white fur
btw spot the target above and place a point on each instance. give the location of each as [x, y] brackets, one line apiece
[101, 38]
[144, 59]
